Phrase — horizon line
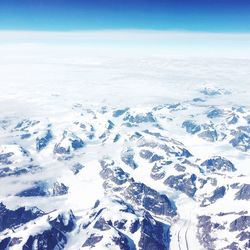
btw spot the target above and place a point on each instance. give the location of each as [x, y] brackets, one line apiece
[123, 29]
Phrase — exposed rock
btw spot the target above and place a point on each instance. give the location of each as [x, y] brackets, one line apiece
[139, 118]
[146, 154]
[233, 119]
[119, 112]
[191, 127]
[183, 183]
[209, 134]
[55, 237]
[76, 168]
[241, 223]
[215, 113]
[92, 241]
[217, 194]
[127, 156]
[204, 232]
[243, 236]
[115, 174]
[243, 193]
[44, 188]
[42, 142]
[150, 199]
[217, 164]
[68, 143]
[241, 141]
[154, 235]
[13, 218]
[6, 171]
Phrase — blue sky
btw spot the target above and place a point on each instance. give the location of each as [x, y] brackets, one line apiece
[68, 15]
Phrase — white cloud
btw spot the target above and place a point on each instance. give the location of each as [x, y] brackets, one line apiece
[116, 35]
[172, 42]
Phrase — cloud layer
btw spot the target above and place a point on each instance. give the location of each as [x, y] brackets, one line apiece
[172, 42]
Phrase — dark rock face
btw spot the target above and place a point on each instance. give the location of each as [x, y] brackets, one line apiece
[101, 224]
[54, 238]
[106, 163]
[110, 125]
[59, 189]
[156, 157]
[73, 143]
[64, 222]
[240, 224]
[241, 141]
[76, 168]
[209, 135]
[123, 242]
[197, 99]
[248, 119]
[218, 163]
[139, 118]
[233, 119]
[24, 128]
[115, 174]
[245, 129]
[117, 138]
[174, 106]
[233, 246]
[150, 199]
[4, 244]
[25, 124]
[127, 156]
[41, 143]
[243, 236]
[77, 143]
[4, 158]
[204, 232]
[235, 185]
[146, 154]
[10, 242]
[120, 224]
[158, 172]
[134, 226]
[183, 183]
[13, 218]
[180, 168]
[25, 136]
[6, 171]
[154, 235]
[214, 113]
[191, 127]
[185, 153]
[244, 193]
[217, 194]
[247, 245]
[213, 91]
[92, 241]
[119, 112]
[43, 188]
[61, 150]
[49, 239]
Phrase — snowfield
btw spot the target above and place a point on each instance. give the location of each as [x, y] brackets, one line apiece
[105, 148]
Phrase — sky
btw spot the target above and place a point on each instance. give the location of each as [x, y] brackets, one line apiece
[173, 15]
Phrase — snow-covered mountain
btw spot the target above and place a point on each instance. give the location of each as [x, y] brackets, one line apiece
[123, 147]
[169, 176]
